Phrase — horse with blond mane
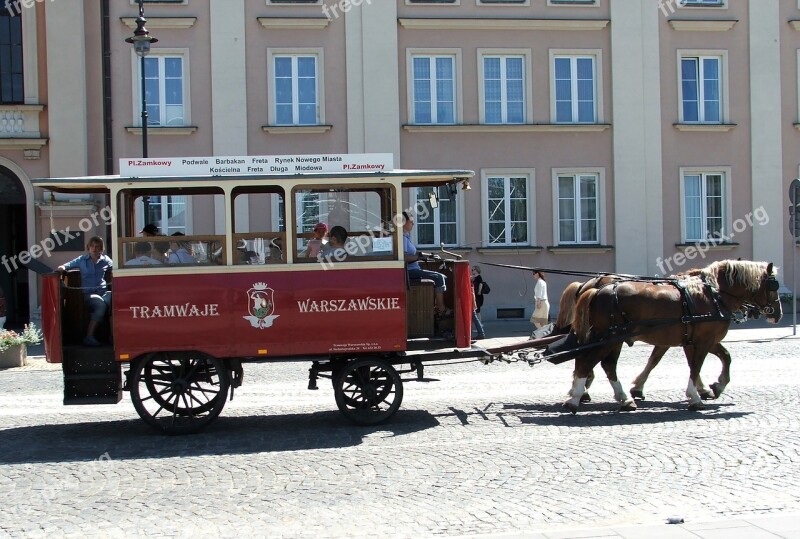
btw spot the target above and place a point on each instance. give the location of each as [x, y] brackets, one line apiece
[693, 312]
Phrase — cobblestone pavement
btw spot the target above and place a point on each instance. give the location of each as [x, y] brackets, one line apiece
[484, 450]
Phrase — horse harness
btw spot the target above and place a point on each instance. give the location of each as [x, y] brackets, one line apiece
[688, 304]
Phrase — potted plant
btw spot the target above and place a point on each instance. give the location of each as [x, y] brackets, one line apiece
[14, 345]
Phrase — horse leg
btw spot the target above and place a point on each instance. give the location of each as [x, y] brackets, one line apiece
[695, 355]
[609, 364]
[586, 397]
[637, 391]
[725, 376]
[584, 365]
[705, 393]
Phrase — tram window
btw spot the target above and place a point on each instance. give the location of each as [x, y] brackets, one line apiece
[365, 212]
[178, 226]
[261, 237]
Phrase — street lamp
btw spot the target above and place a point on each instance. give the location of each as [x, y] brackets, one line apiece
[141, 41]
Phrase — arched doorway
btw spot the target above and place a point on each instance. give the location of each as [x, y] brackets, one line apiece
[13, 240]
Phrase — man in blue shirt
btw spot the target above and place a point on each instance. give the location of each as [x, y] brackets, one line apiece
[416, 272]
[93, 267]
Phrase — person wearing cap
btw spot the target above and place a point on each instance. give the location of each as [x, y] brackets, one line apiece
[160, 248]
[314, 245]
[150, 230]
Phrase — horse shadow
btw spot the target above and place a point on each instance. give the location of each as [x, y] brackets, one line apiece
[603, 414]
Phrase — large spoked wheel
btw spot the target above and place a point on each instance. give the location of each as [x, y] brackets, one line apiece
[179, 393]
[368, 391]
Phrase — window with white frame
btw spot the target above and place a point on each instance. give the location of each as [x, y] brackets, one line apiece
[439, 225]
[295, 83]
[504, 88]
[434, 89]
[575, 89]
[578, 208]
[168, 213]
[507, 204]
[701, 89]
[165, 88]
[704, 203]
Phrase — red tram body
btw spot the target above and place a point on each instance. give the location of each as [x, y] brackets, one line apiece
[184, 331]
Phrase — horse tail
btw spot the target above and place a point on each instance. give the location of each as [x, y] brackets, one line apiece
[581, 324]
[566, 306]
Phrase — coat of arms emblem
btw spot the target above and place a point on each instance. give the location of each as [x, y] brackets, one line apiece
[261, 306]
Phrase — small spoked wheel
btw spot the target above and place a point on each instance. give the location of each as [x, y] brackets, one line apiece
[179, 393]
[368, 391]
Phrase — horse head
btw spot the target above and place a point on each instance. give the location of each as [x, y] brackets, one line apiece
[751, 284]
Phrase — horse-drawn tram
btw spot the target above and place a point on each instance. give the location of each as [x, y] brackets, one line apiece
[304, 258]
[257, 282]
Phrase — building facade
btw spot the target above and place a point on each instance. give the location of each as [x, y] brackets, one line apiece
[636, 136]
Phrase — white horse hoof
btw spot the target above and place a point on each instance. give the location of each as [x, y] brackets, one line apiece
[696, 406]
[628, 406]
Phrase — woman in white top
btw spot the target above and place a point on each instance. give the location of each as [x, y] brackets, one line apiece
[541, 310]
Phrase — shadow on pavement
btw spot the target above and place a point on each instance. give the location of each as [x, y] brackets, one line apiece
[133, 439]
[592, 415]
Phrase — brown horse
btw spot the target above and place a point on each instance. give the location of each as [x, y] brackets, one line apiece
[564, 321]
[657, 313]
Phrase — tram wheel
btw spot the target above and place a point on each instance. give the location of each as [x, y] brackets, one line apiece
[368, 391]
[179, 393]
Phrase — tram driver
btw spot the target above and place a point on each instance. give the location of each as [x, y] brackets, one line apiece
[93, 267]
[412, 258]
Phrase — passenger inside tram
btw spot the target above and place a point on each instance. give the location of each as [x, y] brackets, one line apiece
[142, 251]
[335, 251]
[180, 251]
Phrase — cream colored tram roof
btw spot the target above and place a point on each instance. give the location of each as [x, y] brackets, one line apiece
[410, 178]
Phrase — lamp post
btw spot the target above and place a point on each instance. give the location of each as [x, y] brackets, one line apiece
[141, 41]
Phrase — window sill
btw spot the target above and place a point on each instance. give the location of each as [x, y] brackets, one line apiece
[581, 249]
[702, 26]
[721, 128]
[162, 22]
[295, 129]
[152, 130]
[502, 24]
[506, 128]
[795, 24]
[508, 250]
[436, 249]
[295, 23]
[710, 246]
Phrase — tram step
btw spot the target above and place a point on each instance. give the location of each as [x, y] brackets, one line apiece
[85, 360]
[91, 389]
[91, 376]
